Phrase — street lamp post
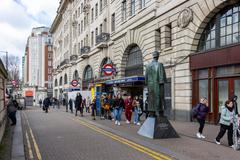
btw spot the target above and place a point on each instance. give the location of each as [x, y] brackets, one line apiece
[6, 59]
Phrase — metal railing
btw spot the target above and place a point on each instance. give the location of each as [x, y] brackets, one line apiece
[103, 37]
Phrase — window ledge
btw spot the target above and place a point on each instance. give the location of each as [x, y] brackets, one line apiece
[141, 10]
[167, 49]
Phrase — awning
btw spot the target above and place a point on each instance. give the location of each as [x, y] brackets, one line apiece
[125, 80]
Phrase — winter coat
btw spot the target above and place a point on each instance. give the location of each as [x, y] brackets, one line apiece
[78, 102]
[46, 102]
[11, 106]
[225, 118]
[202, 111]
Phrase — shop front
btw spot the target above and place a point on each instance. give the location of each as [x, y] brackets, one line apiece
[216, 67]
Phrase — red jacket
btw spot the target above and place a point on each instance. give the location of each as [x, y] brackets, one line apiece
[128, 104]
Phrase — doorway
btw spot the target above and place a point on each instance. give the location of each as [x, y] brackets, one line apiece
[225, 88]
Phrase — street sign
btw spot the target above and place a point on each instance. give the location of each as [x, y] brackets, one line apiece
[108, 69]
[74, 83]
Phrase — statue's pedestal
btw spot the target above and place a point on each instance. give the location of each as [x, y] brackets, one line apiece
[157, 128]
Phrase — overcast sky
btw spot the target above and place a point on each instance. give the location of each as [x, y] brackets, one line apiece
[18, 17]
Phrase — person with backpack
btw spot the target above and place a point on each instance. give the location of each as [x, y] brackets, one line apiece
[201, 111]
[12, 106]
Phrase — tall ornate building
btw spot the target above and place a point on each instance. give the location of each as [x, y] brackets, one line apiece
[198, 43]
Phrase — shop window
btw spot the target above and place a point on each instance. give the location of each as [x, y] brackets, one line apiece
[222, 30]
[228, 70]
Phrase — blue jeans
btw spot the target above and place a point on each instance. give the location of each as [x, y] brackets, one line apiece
[135, 115]
[118, 113]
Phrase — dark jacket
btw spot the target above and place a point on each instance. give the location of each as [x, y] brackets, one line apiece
[233, 98]
[202, 111]
[70, 102]
[11, 106]
[46, 102]
[78, 102]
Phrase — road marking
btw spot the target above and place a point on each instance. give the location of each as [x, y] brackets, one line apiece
[33, 138]
[155, 155]
[29, 147]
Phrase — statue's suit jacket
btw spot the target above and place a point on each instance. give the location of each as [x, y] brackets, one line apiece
[155, 77]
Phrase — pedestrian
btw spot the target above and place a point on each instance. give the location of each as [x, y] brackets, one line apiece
[54, 102]
[233, 98]
[119, 105]
[128, 109]
[146, 108]
[78, 104]
[65, 104]
[140, 109]
[70, 102]
[46, 103]
[102, 107]
[12, 109]
[136, 108]
[106, 107]
[202, 111]
[88, 104]
[93, 105]
[40, 103]
[84, 104]
[112, 106]
[226, 122]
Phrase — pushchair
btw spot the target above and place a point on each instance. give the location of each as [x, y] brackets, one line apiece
[236, 133]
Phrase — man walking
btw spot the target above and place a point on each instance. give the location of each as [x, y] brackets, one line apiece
[46, 103]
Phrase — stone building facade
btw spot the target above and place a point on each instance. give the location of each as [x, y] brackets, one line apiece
[194, 42]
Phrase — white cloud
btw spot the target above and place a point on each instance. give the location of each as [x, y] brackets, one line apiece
[18, 17]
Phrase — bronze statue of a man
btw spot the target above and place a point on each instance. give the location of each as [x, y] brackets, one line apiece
[155, 77]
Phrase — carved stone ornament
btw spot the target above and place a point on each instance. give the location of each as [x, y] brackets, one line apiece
[185, 17]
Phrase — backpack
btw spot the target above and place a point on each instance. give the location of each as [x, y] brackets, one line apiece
[194, 111]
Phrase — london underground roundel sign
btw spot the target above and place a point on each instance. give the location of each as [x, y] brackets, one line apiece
[108, 69]
[74, 83]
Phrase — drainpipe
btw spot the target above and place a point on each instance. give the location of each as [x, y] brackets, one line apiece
[173, 92]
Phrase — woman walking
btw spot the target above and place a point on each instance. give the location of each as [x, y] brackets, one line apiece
[128, 109]
[118, 109]
[202, 111]
[136, 107]
[226, 123]
[78, 104]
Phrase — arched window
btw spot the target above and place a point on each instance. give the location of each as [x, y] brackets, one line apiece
[105, 61]
[55, 83]
[134, 65]
[60, 81]
[65, 79]
[223, 29]
[87, 77]
[75, 75]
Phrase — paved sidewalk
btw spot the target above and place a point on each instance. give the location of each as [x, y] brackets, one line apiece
[17, 142]
[188, 146]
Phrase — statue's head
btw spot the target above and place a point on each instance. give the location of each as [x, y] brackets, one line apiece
[155, 55]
